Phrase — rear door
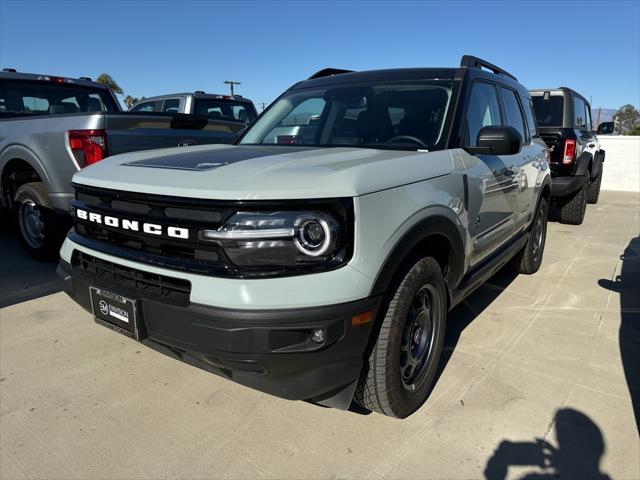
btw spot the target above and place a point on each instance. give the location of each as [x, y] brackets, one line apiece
[493, 186]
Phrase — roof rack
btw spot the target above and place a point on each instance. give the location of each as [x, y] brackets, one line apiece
[10, 70]
[327, 72]
[471, 61]
[85, 78]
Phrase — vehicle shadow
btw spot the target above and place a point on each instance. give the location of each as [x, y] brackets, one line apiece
[580, 446]
[471, 307]
[21, 277]
[627, 285]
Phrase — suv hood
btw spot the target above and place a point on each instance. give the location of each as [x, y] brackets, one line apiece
[263, 172]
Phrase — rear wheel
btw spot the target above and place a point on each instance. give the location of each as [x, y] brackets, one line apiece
[529, 259]
[39, 233]
[401, 369]
[593, 192]
[572, 210]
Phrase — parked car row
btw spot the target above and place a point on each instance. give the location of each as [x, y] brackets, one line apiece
[317, 257]
[51, 127]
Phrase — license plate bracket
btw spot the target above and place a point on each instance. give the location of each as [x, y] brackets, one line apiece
[115, 311]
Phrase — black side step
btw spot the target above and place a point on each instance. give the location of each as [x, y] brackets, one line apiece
[477, 277]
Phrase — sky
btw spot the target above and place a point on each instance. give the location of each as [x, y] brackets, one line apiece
[157, 47]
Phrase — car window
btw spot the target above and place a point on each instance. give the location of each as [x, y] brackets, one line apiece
[374, 114]
[549, 110]
[171, 105]
[587, 117]
[43, 98]
[152, 106]
[483, 111]
[528, 113]
[224, 109]
[579, 113]
[513, 113]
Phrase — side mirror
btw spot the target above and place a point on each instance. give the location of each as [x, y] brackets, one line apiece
[497, 141]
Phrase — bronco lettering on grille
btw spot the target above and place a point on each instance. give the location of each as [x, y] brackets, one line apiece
[133, 225]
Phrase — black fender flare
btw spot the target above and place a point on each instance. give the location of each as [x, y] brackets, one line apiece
[430, 226]
[583, 162]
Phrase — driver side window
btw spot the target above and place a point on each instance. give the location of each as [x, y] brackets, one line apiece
[483, 111]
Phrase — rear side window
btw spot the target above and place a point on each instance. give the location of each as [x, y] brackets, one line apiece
[528, 113]
[513, 113]
[549, 111]
[153, 106]
[483, 111]
[45, 98]
[171, 105]
[579, 113]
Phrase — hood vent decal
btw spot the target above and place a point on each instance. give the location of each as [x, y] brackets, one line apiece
[209, 160]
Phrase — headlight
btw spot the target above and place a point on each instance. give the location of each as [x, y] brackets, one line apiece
[285, 239]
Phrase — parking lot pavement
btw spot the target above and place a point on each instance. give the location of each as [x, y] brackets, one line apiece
[540, 370]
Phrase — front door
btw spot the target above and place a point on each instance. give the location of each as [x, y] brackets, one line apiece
[493, 180]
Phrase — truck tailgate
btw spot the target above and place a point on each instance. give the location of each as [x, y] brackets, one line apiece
[128, 132]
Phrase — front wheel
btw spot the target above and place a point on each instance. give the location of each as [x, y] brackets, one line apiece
[401, 369]
[39, 232]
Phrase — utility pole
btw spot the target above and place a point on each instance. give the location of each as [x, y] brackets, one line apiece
[231, 83]
[264, 105]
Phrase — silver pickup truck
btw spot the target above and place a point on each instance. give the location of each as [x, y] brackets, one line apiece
[51, 127]
[230, 108]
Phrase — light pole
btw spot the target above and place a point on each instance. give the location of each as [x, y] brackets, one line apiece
[231, 83]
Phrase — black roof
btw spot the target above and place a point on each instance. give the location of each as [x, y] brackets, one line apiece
[471, 67]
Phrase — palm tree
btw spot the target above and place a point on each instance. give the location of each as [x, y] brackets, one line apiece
[106, 79]
[129, 101]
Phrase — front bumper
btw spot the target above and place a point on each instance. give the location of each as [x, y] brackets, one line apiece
[269, 350]
[564, 186]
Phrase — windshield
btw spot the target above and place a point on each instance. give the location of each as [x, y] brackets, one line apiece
[45, 98]
[549, 111]
[407, 115]
[225, 110]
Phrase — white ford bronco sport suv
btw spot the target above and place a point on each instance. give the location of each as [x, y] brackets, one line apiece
[318, 257]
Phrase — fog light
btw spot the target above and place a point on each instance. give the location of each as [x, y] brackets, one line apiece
[317, 335]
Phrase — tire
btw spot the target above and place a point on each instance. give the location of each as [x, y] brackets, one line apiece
[572, 211]
[593, 191]
[39, 232]
[389, 384]
[529, 259]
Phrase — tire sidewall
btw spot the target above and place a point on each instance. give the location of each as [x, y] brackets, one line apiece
[403, 401]
[47, 251]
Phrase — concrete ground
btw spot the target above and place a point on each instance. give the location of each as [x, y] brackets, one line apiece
[539, 377]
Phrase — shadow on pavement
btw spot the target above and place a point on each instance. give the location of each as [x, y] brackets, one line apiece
[580, 446]
[21, 277]
[627, 285]
[463, 314]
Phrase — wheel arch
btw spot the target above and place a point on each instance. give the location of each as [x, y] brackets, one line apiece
[16, 159]
[437, 236]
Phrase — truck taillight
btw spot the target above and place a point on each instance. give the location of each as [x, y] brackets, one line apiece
[569, 151]
[87, 146]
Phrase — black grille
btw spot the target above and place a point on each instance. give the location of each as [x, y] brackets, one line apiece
[190, 255]
[119, 277]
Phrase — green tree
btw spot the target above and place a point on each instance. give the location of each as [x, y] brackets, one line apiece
[129, 101]
[627, 119]
[107, 80]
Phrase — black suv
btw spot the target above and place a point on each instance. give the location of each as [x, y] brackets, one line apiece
[564, 123]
